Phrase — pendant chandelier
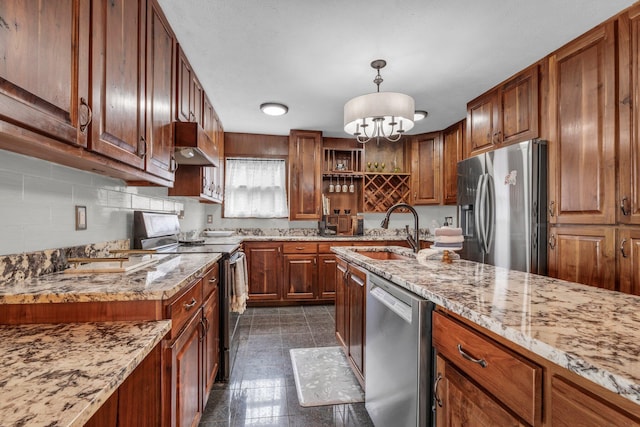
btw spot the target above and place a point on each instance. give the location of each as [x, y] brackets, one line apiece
[380, 114]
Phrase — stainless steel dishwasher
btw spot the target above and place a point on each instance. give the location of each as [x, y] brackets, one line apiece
[398, 355]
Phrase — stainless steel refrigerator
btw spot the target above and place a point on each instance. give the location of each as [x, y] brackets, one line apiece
[502, 196]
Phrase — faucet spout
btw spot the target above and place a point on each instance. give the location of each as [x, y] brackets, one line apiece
[414, 241]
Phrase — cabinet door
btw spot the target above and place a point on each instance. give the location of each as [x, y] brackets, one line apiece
[519, 107]
[342, 301]
[460, 402]
[44, 69]
[483, 126]
[197, 100]
[299, 276]
[629, 118]
[356, 344]
[628, 256]
[573, 406]
[452, 145]
[426, 160]
[583, 254]
[210, 344]
[582, 117]
[265, 270]
[209, 123]
[305, 175]
[327, 277]
[160, 87]
[186, 367]
[184, 111]
[117, 67]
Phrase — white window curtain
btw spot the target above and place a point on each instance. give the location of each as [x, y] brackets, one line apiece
[255, 188]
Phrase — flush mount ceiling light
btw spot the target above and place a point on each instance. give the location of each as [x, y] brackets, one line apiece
[419, 115]
[380, 114]
[274, 109]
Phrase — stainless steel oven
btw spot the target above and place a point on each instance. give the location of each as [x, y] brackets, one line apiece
[160, 232]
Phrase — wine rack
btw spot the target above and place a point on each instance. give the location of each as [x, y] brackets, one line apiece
[383, 190]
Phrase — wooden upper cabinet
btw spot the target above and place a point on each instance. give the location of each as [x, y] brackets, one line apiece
[519, 107]
[452, 152]
[582, 131]
[44, 80]
[483, 123]
[118, 80]
[504, 115]
[190, 94]
[628, 197]
[305, 175]
[426, 161]
[161, 59]
[583, 254]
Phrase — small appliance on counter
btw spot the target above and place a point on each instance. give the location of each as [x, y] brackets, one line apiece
[341, 225]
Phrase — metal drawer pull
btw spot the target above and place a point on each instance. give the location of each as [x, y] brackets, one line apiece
[436, 398]
[190, 305]
[299, 248]
[624, 255]
[480, 362]
[214, 280]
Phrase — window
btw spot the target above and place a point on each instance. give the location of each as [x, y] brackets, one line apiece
[255, 188]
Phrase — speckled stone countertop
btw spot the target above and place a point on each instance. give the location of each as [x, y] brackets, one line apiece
[156, 282]
[60, 374]
[592, 332]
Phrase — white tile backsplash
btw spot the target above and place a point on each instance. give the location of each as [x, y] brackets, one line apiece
[38, 199]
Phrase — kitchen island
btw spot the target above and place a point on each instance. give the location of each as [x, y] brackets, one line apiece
[587, 331]
[61, 374]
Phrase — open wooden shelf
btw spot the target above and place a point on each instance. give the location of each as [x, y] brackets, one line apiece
[383, 190]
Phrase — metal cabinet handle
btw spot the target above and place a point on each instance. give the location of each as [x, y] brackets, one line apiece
[142, 147]
[189, 306]
[213, 280]
[552, 208]
[624, 255]
[623, 206]
[299, 248]
[173, 164]
[552, 241]
[437, 398]
[203, 330]
[480, 362]
[83, 126]
[192, 117]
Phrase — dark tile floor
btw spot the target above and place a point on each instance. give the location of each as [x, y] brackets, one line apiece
[262, 391]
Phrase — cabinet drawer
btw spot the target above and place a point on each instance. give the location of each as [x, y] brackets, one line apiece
[184, 307]
[325, 248]
[300, 248]
[512, 379]
[210, 281]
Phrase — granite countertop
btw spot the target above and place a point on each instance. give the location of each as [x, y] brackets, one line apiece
[157, 282]
[61, 374]
[236, 239]
[592, 332]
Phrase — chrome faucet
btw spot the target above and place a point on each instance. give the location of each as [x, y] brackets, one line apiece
[414, 241]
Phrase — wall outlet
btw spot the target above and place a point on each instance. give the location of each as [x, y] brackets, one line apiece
[209, 219]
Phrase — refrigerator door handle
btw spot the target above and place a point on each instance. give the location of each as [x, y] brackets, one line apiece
[478, 221]
[488, 190]
[482, 217]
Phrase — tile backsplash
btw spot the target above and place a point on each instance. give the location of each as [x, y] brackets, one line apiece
[38, 199]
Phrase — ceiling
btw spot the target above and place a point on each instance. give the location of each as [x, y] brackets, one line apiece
[314, 55]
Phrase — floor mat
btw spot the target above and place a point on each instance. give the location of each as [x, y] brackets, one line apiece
[323, 377]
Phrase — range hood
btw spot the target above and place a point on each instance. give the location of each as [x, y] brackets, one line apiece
[193, 146]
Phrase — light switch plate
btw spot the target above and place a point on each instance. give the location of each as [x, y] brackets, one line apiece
[209, 219]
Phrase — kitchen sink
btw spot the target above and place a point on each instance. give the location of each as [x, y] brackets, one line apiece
[383, 255]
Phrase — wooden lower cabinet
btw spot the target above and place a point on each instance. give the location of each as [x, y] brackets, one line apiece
[571, 405]
[515, 387]
[342, 307]
[300, 276]
[583, 254]
[351, 291]
[327, 276]
[137, 402]
[460, 402]
[264, 266]
[210, 343]
[628, 260]
[192, 354]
